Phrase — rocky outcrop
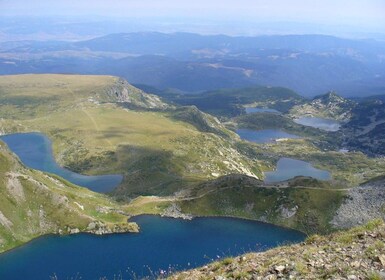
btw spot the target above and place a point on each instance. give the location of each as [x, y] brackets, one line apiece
[132, 97]
[14, 187]
[286, 212]
[5, 222]
[100, 228]
[175, 211]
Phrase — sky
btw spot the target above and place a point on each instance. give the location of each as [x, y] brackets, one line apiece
[367, 13]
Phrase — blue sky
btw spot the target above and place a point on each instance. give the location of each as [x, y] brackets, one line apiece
[370, 13]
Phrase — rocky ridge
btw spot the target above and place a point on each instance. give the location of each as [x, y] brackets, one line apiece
[329, 106]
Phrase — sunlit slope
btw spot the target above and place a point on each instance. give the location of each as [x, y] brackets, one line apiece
[33, 203]
[101, 124]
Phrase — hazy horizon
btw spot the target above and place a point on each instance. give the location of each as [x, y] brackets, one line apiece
[242, 17]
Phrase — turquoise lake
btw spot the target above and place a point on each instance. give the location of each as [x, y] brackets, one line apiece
[35, 151]
[288, 168]
[324, 124]
[163, 243]
[264, 136]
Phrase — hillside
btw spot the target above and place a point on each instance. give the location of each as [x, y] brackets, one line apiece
[33, 203]
[366, 129]
[302, 203]
[112, 127]
[358, 253]
[231, 102]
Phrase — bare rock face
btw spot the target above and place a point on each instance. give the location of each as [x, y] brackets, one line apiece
[14, 187]
[363, 203]
[123, 92]
[100, 228]
[288, 212]
[174, 211]
[5, 222]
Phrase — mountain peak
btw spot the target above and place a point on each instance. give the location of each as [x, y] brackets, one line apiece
[329, 105]
[331, 96]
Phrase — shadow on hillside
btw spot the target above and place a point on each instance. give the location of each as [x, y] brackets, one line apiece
[148, 172]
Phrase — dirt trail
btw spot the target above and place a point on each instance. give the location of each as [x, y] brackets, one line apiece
[148, 199]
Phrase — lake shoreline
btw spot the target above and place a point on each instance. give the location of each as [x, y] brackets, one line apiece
[43, 159]
[223, 216]
[139, 232]
[158, 246]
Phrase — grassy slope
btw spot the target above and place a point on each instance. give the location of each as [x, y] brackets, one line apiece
[313, 203]
[33, 203]
[91, 135]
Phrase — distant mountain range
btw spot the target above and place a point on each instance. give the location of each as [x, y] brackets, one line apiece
[309, 64]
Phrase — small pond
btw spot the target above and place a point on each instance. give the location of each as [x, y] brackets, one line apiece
[324, 124]
[288, 168]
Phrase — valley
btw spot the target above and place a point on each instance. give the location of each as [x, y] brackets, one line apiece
[112, 127]
[218, 140]
[151, 147]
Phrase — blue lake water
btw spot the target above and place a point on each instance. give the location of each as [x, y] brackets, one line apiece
[250, 110]
[35, 151]
[263, 136]
[324, 124]
[288, 168]
[162, 243]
